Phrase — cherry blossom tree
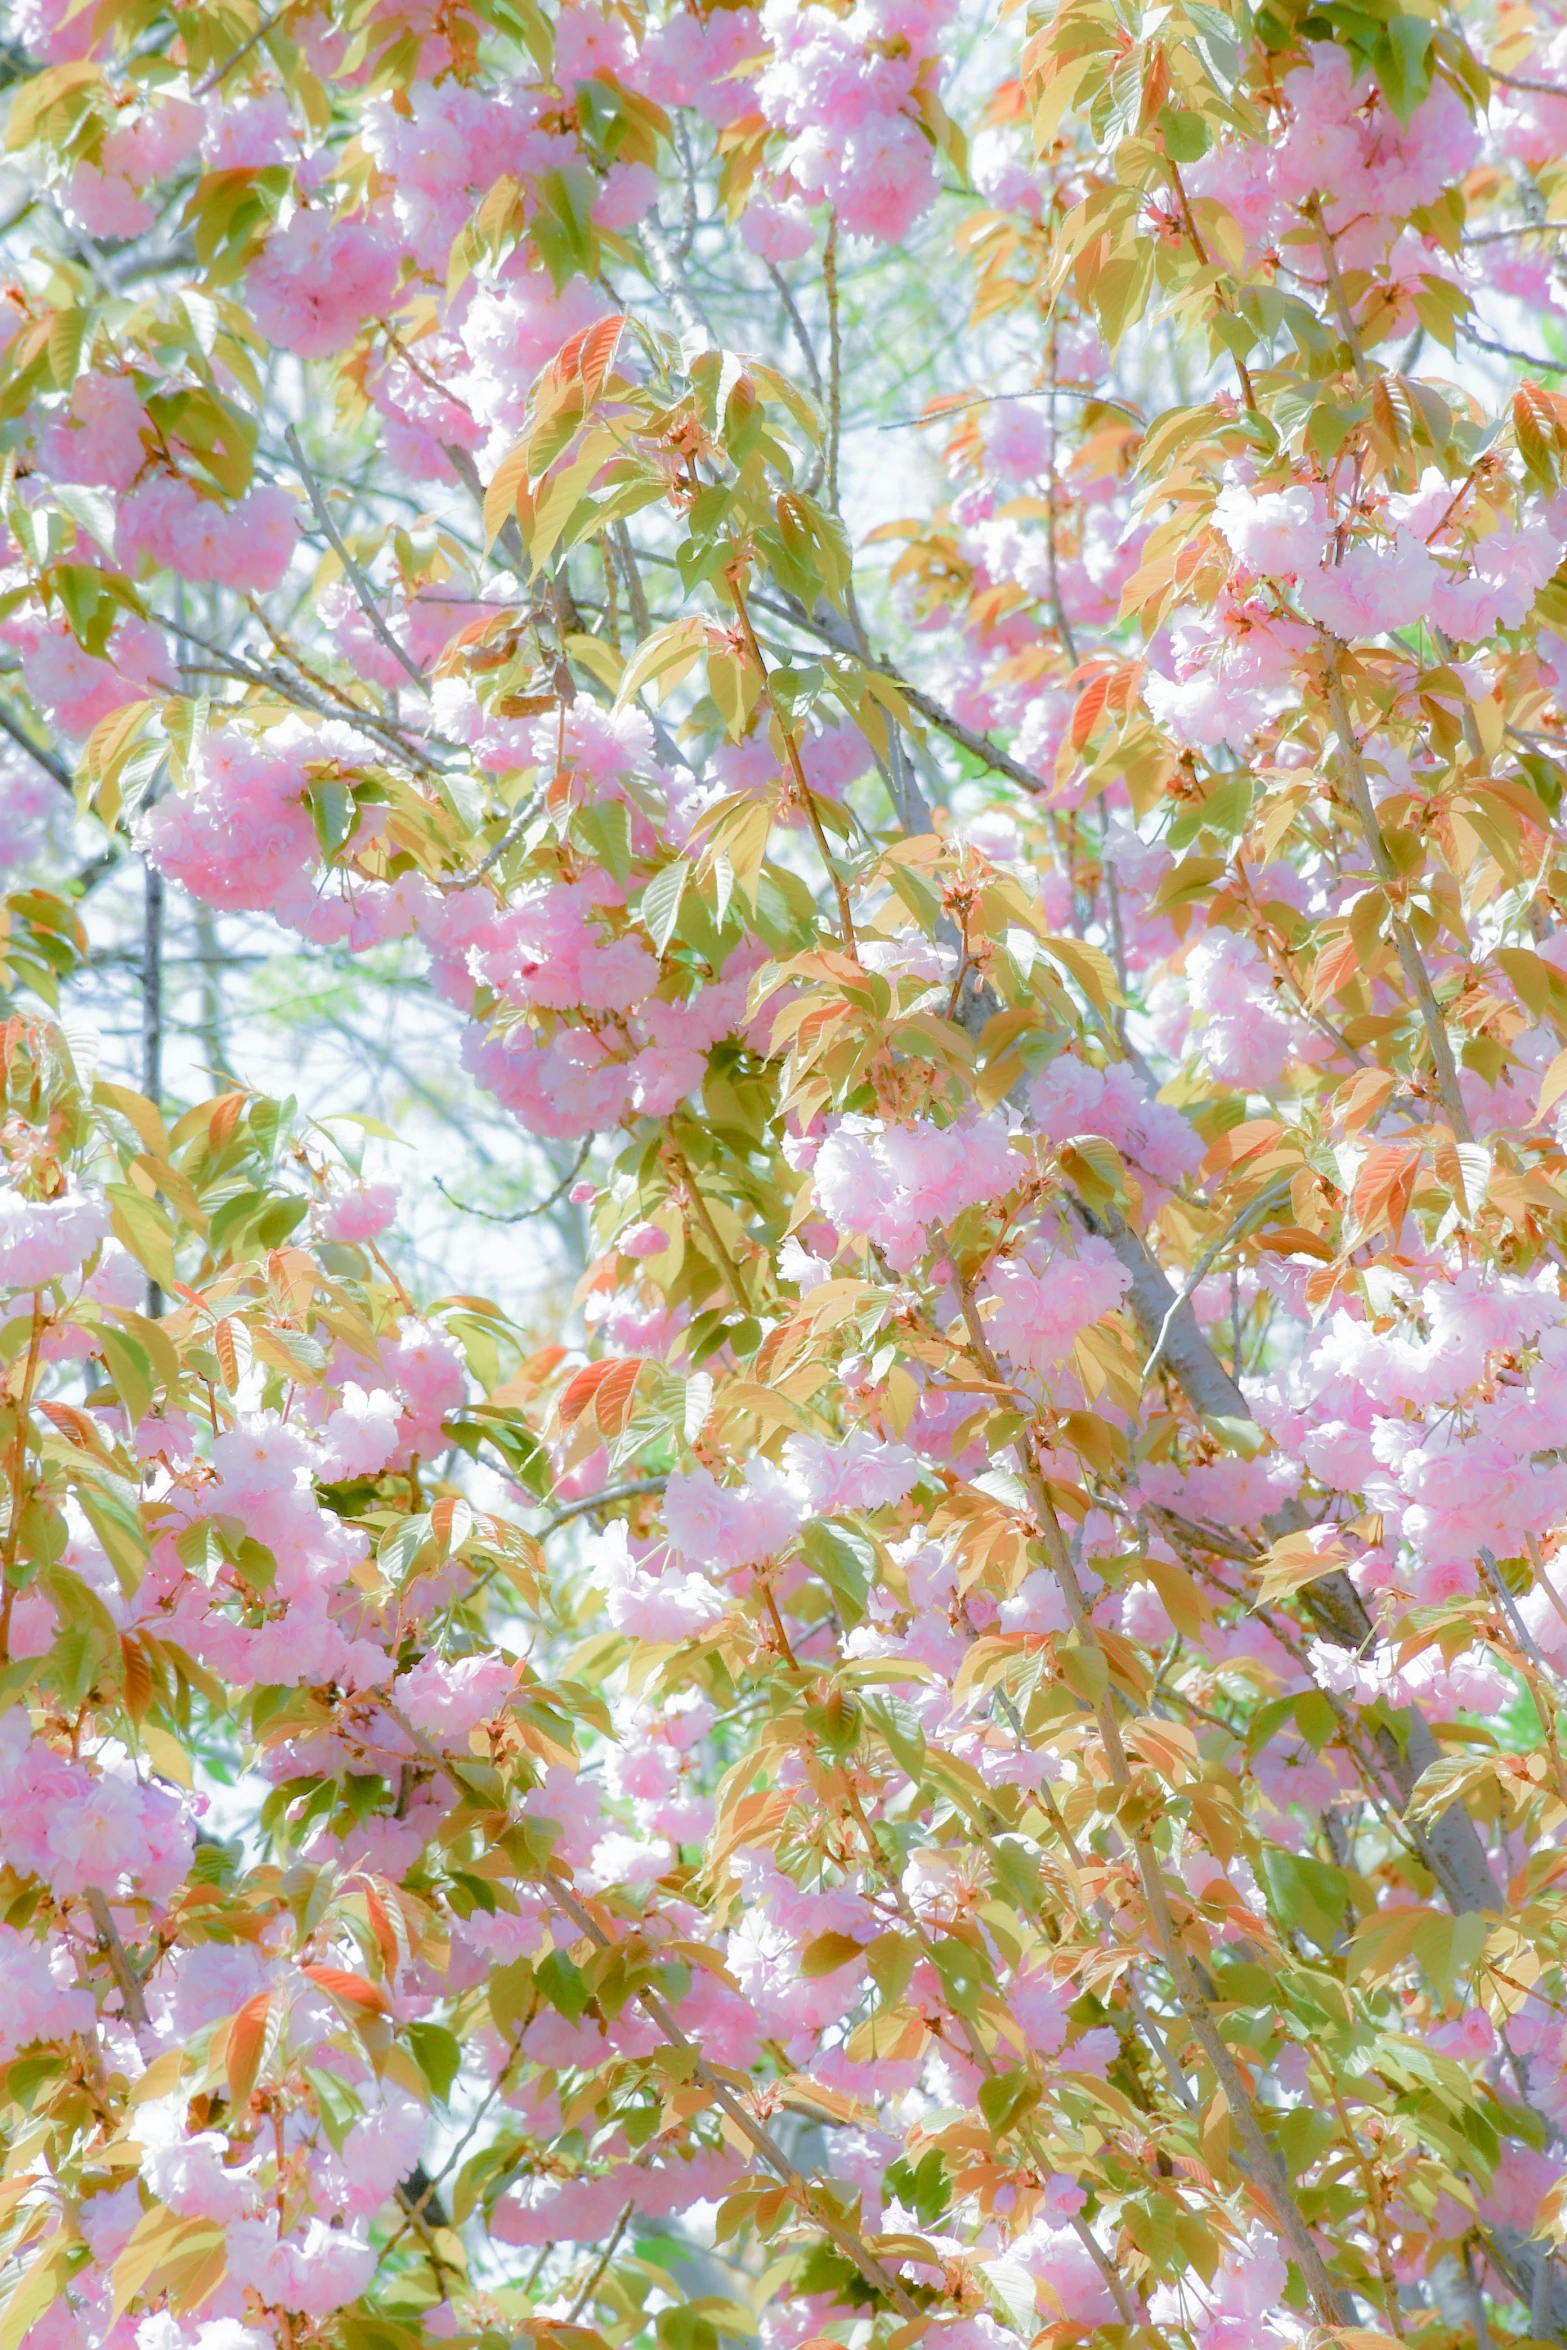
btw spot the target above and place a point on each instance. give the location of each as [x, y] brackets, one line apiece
[962, 1747]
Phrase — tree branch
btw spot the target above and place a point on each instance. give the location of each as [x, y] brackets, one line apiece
[361, 586]
[52, 766]
[119, 1959]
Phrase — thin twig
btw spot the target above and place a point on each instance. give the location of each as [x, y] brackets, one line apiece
[1279, 1189]
[273, 677]
[989, 400]
[520, 1215]
[600, 1501]
[801, 331]
[668, 274]
[1335, 287]
[361, 586]
[989, 753]
[45, 759]
[687, 236]
[1518, 81]
[221, 72]
[1521, 228]
[119, 1958]
[1052, 552]
[834, 359]
[1520, 1630]
[1507, 351]
[608, 2254]
[508, 537]
[509, 839]
[1416, 976]
[636, 593]
[807, 797]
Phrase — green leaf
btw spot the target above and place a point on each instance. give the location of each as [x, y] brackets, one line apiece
[826, 1954]
[511, 1996]
[437, 2054]
[1011, 2288]
[660, 907]
[964, 1974]
[846, 1563]
[1084, 1670]
[41, 2283]
[1006, 2097]
[1310, 1896]
[685, 2328]
[141, 1226]
[1402, 61]
[901, 1727]
[216, 432]
[129, 1368]
[116, 1521]
[561, 1981]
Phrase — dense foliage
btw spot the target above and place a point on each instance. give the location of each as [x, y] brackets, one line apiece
[966, 1748]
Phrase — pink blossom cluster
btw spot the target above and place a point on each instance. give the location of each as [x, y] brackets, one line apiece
[1392, 580]
[751, 1693]
[899, 1183]
[1415, 1418]
[318, 280]
[81, 1825]
[171, 526]
[242, 835]
[358, 1214]
[43, 1240]
[1038, 1314]
[842, 92]
[1073, 1097]
[75, 688]
[1341, 147]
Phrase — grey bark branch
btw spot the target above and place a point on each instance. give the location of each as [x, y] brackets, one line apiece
[508, 537]
[42, 758]
[152, 1017]
[361, 586]
[1450, 1845]
[696, 335]
[825, 624]
[119, 1959]
[304, 696]
[802, 333]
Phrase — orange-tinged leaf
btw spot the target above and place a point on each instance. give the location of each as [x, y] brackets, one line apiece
[579, 1392]
[615, 1394]
[619, 1373]
[1367, 1093]
[1385, 1185]
[451, 1521]
[381, 1927]
[246, 2046]
[1242, 1142]
[138, 1677]
[597, 350]
[1090, 708]
[354, 1990]
[1293, 1240]
[500, 499]
[227, 1352]
[1296, 1560]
